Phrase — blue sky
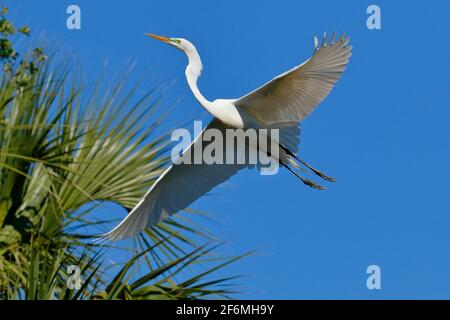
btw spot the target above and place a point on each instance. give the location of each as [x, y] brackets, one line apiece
[383, 132]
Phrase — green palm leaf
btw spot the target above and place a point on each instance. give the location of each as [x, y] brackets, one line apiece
[67, 152]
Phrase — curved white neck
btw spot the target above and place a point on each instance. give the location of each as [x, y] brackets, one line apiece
[193, 71]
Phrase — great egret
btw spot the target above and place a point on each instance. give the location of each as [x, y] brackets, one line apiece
[280, 103]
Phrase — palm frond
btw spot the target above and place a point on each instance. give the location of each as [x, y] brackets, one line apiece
[67, 152]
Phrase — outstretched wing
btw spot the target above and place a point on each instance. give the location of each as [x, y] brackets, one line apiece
[178, 187]
[291, 96]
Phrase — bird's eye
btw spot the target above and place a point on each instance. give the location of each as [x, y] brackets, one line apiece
[177, 41]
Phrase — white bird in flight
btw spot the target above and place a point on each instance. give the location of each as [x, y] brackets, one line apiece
[280, 103]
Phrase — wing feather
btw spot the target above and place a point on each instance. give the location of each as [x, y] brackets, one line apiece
[178, 187]
[294, 94]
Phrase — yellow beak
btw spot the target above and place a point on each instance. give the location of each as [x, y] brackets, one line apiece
[160, 38]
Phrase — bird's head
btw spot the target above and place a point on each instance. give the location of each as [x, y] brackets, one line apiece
[178, 43]
[194, 67]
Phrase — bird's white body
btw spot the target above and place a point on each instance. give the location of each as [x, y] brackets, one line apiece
[222, 109]
[226, 111]
[280, 103]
